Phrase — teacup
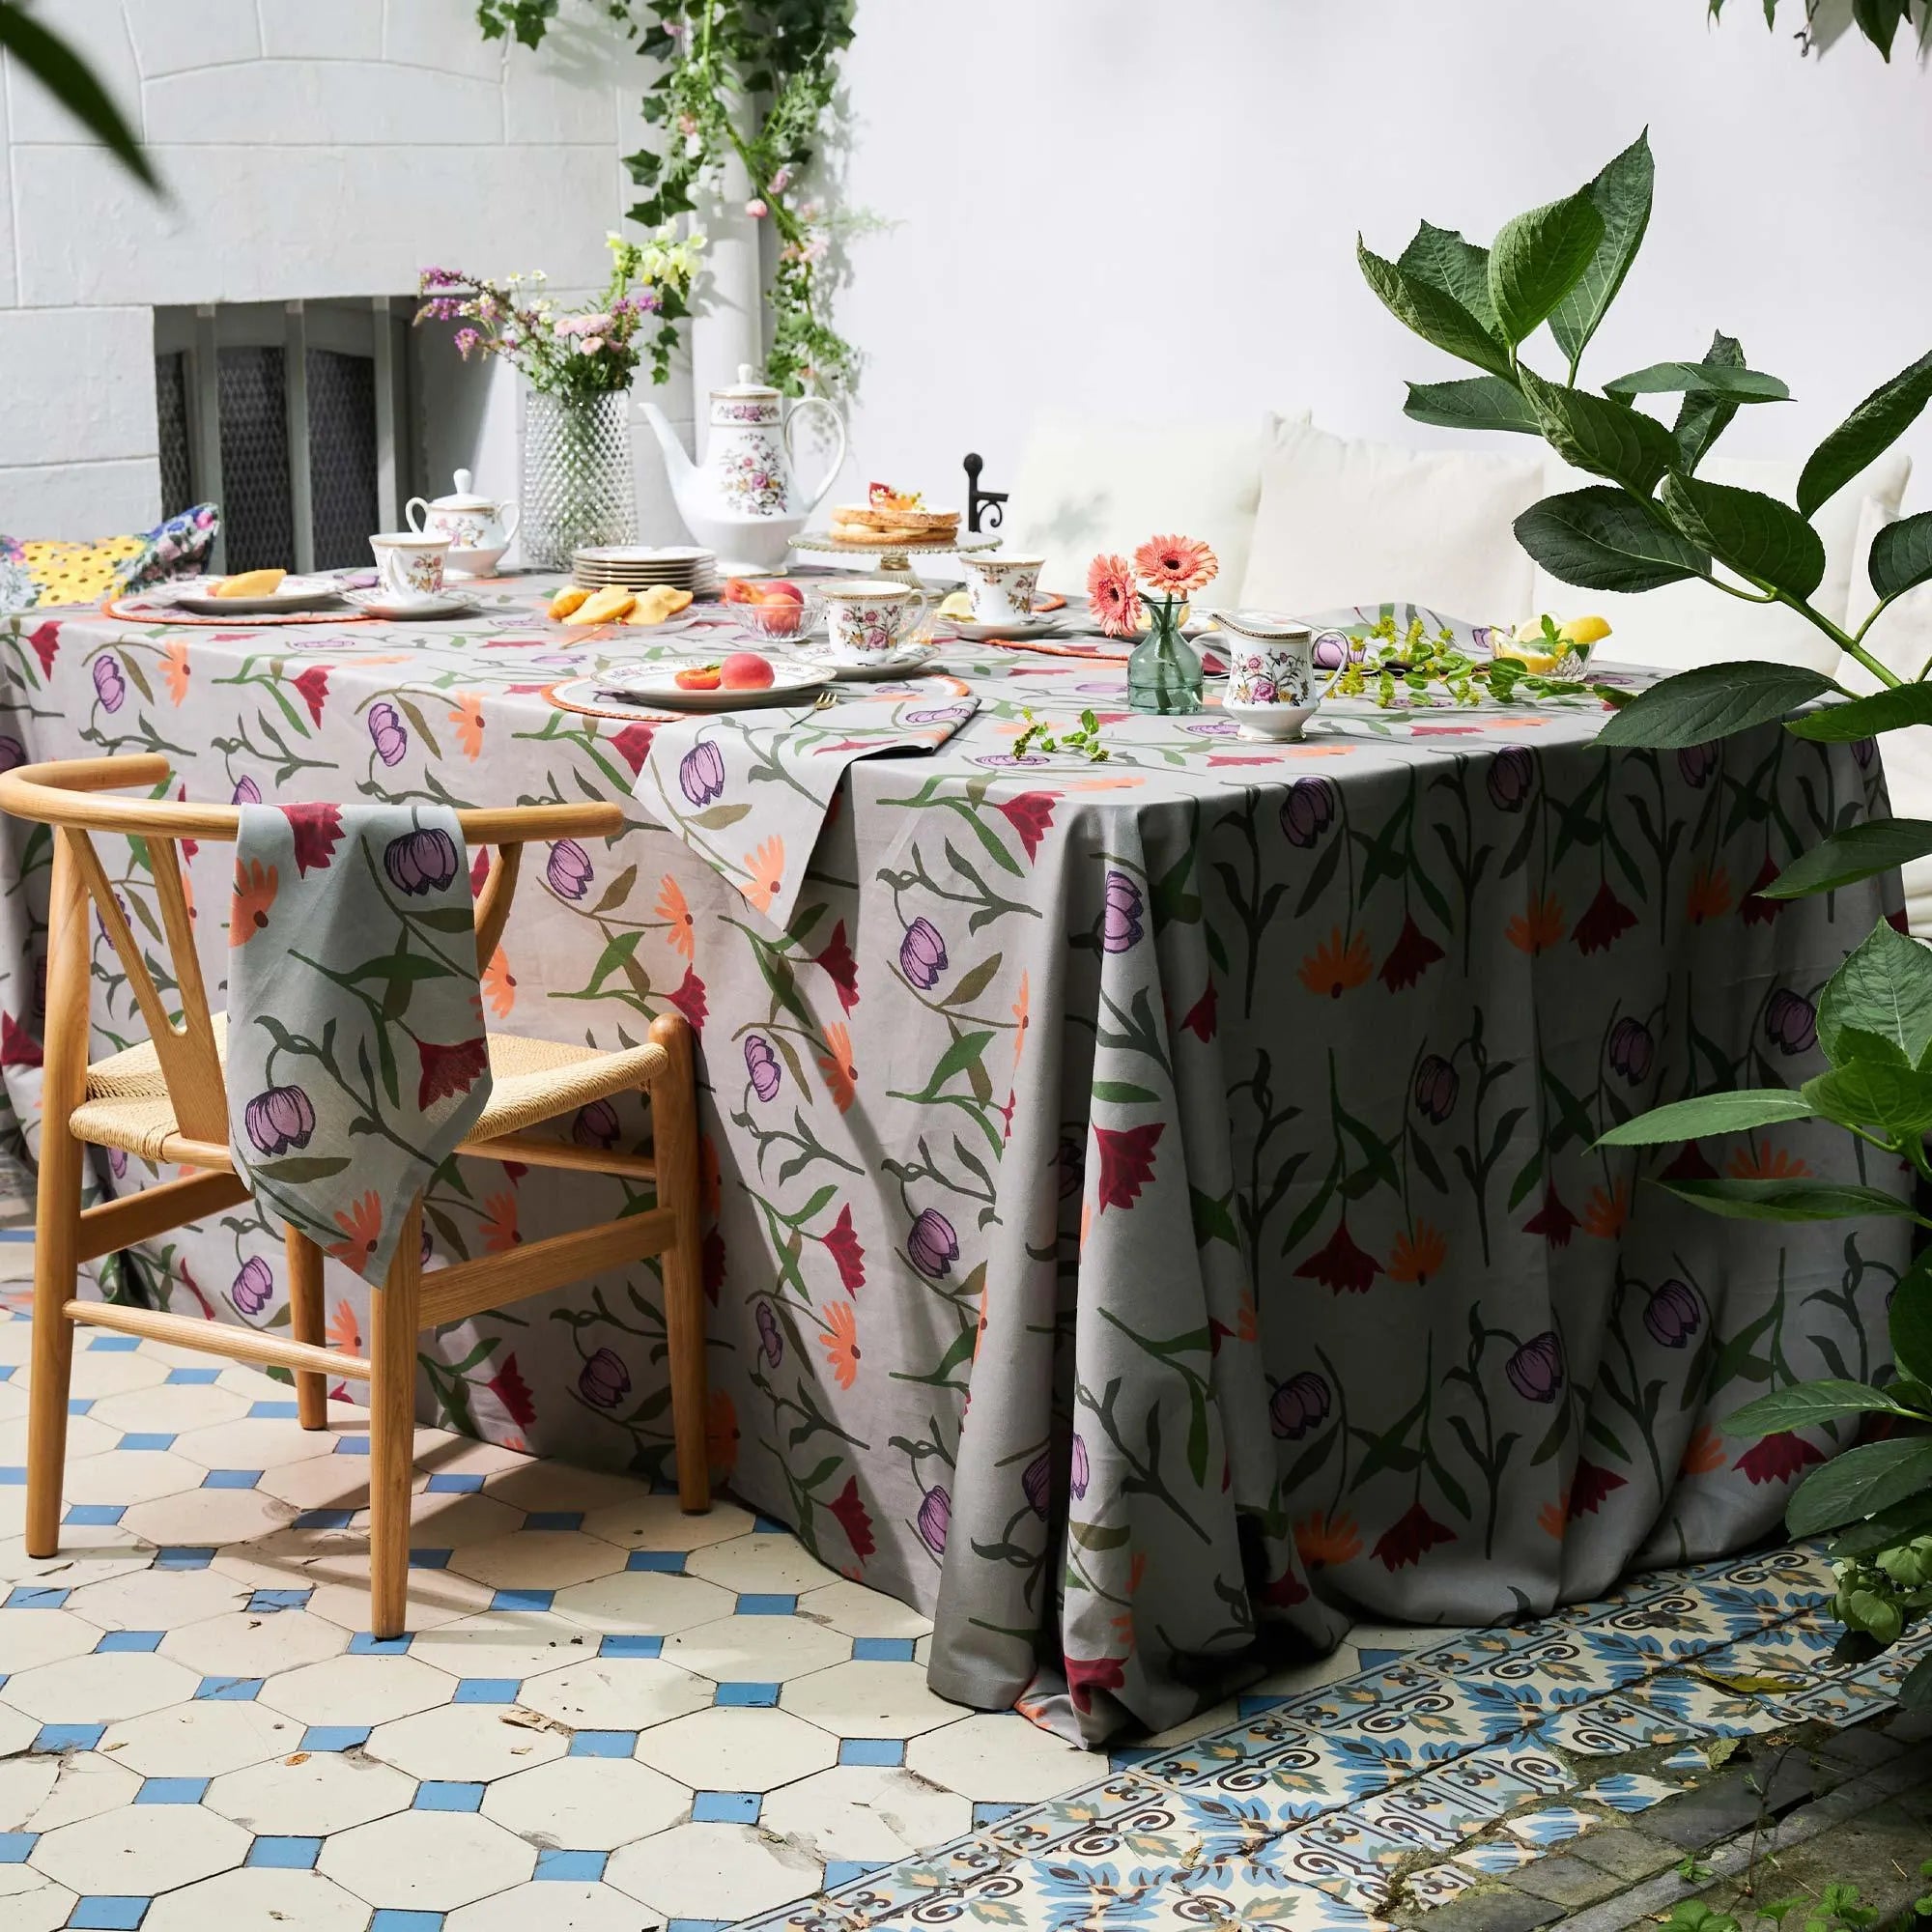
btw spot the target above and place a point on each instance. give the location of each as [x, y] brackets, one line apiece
[1270, 689]
[1002, 587]
[868, 618]
[409, 565]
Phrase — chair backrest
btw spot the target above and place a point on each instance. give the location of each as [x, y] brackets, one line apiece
[61, 794]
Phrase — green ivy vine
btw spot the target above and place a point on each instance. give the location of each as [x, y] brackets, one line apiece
[1878, 20]
[781, 57]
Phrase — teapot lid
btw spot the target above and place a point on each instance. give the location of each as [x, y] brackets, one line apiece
[463, 496]
[747, 384]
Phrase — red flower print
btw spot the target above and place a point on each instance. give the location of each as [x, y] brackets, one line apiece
[1126, 1162]
[313, 684]
[714, 1265]
[479, 871]
[689, 999]
[634, 745]
[1286, 1591]
[1341, 1264]
[1201, 1015]
[1605, 922]
[18, 1047]
[1554, 1221]
[841, 967]
[510, 1389]
[1411, 1538]
[46, 641]
[1410, 957]
[1031, 816]
[1690, 1165]
[846, 1251]
[853, 1520]
[450, 1069]
[1085, 1675]
[1756, 910]
[318, 832]
[1589, 1487]
[1777, 1458]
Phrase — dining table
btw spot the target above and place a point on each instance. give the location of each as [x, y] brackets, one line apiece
[1154, 1211]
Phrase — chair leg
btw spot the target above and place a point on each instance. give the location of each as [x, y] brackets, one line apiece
[392, 1421]
[57, 1223]
[674, 1142]
[306, 1325]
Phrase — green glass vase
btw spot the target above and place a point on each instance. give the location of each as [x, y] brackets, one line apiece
[1164, 670]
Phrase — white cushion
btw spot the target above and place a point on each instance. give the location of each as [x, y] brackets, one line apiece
[1093, 484]
[1690, 624]
[1344, 521]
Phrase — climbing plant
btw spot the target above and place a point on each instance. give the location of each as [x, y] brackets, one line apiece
[1828, 20]
[717, 58]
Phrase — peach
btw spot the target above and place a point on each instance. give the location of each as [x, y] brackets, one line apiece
[745, 670]
[780, 587]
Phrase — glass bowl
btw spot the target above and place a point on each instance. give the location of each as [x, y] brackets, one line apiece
[777, 622]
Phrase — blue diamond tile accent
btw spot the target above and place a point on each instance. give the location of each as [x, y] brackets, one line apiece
[585, 1867]
[192, 1376]
[670, 1561]
[184, 1557]
[769, 1526]
[396, 1919]
[842, 1871]
[14, 1847]
[352, 1445]
[725, 1808]
[454, 1486]
[604, 1744]
[334, 1736]
[555, 1520]
[1379, 1660]
[231, 1478]
[229, 1690]
[442, 1794]
[266, 1603]
[273, 1411]
[880, 1649]
[521, 1599]
[67, 1737]
[430, 1559]
[872, 1750]
[285, 1854]
[13, 1476]
[171, 1791]
[746, 1696]
[676, 1925]
[96, 1516]
[146, 1438]
[113, 1641]
[630, 1646]
[6, 1372]
[34, 1597]
[366, 1643]
[336, 1518]
[759, 1603]
[80, 1404]
[108, 1914]
[486, 1691]
[114, 1345]
[985, 1813]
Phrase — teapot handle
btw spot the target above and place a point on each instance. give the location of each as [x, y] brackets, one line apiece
[839, 457]
[411, 518]
[511, 517]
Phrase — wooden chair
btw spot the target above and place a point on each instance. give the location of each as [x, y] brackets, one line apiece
[165, 1101]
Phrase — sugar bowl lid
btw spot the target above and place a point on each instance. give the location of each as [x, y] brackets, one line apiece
[463, 496]
[1265, 626]
[747, 386]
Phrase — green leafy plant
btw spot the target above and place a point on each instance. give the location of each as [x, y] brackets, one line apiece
[1652, 520]
[1878, 20]
[1082, 740]
[67, 77]
[715, 57]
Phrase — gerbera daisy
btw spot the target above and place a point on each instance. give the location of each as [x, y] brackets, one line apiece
[1174, 566]
[1111, 596]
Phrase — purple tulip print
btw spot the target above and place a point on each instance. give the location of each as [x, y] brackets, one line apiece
[1120, 926]
[1632, 1050]
[1436, 1087]
[604, 1382]
[701, 773]
[923, 954]
[762, 1064]
[935, 1519]
[569, 871]
[1535, 1369]
[253, 1287]
[1697, 762]
[278, 1119]
[1512, 777]
[1078, 1473]
[1300, 1403]
[12, 752]
[388, 734]
[1037, 1483]
[1307, 811]
[1791, 1022]
[419, 861]
[109, 686]
[1674, 1313]
[246, 792]
[932, 1247]
[771, 1337]
[596, 1124]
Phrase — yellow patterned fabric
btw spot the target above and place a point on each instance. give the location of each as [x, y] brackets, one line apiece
[79, 572]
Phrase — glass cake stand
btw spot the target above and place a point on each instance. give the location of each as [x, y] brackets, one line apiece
[893, 560]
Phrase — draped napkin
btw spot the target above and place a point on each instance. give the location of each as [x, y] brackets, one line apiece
[749, 791]
[356, 1054]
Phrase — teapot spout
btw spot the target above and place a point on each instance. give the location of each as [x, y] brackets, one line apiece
[677, 464]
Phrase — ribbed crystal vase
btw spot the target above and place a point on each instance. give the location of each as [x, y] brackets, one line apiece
[577, 475]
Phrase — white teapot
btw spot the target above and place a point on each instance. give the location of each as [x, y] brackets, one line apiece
[479, 529]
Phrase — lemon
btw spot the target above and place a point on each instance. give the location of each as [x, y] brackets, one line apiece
[1583, 631]
[958, 604]
[1540, 663]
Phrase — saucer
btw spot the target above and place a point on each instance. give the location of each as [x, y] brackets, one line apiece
[294, 593]
[403, 609]
[902, 662]
[657, 684]
[1278, 724]
[1035, 626]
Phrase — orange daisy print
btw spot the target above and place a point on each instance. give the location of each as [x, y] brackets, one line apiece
[1337, 966]
[676, 910]
[1418, 1257]
[1021, 1021]
[255, 888]
[1321, 1539]
[1759, 1160]
[361, 1226]
[1709, 896]
[499, 1222]
[835, 1064]
[1605, 1212]
[767, 869]
[343, 1334]
[841, 1343]
[500, 984]
[1704, 1453]
[1538, 928]
[467, 717]
[174, 667]
[1551, 1516]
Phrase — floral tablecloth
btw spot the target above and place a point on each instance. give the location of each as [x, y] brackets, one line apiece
[1156, 1211]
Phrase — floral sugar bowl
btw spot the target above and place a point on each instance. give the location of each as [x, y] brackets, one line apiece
[479, 529]
[1270, 673]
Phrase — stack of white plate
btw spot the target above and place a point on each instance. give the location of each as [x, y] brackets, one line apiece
[639, 566]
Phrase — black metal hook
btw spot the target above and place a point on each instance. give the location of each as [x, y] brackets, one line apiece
[979, 501]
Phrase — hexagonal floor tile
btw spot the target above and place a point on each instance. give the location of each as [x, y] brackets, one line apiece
[201, 1739]
[501, 1644]
[129, 1476]
[587, 1803]
[88, 1553]
[858, 1611]
[247, 1643]
[103, 1374]
[538, 1559]
[565, 1906]
[158, 1600]
[358, 1691]
[464, 1743]
[98, 1689]
[289, 1901]
[171, 1409]
[531, 1485]
[865, 1812]
[41, 1791]
[84, 1438]
[31, 1903]
[427, 1861]
[142, 1850]
[17, 1730]
[766, 1650]
[999, 1757]
[761, 1565]
[28, 1638]
[713, 1871]
[643, 1602]
[869, 1700]
[322, 1482]
[257, 1442]
[326, 1792]
[210, 1517]
[437, 1598]
[738, 1750]
[440, 1519]
[657, 1523]
[615, 1693]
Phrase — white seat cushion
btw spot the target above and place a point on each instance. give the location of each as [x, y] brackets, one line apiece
[1690, 624]
[1093, 484]
[1344, 521]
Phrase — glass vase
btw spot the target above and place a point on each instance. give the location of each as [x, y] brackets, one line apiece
[577, 475]
[1164, 670]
